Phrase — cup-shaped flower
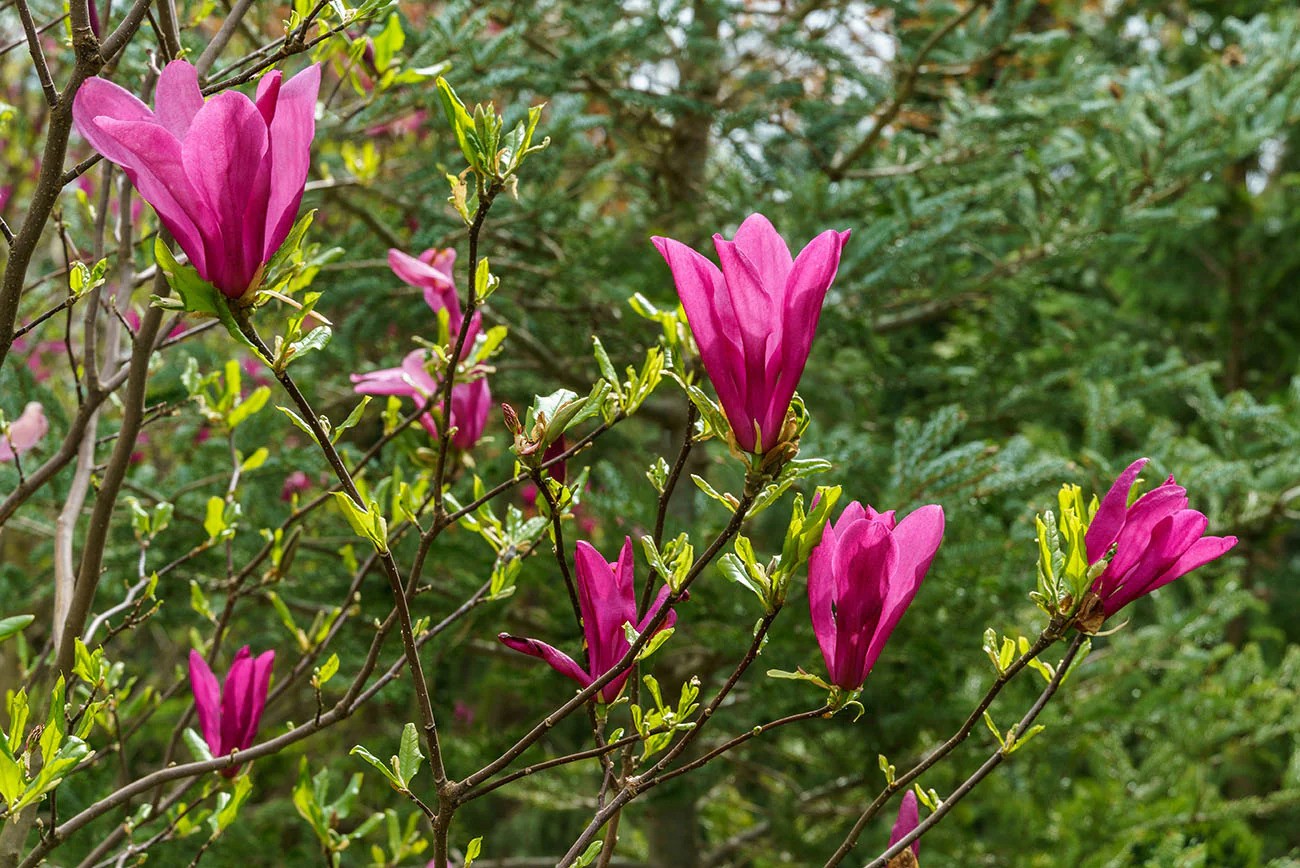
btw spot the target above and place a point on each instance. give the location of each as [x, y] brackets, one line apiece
[24, 432]
[229, 713]
[909, 817]
[431, 271]
[607, 600]
[862, 576]
[225, 175]
[470, 402]
[754, 319]
[1155, 541]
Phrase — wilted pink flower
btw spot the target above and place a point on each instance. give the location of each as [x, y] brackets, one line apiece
[432, 272]
[470, 402]
[862, 576]
[229, 713]
[607, 600]
[225, 175]
[1156, 540]
[24, 432]
[909, 817]
[295, 483]
[754, 319]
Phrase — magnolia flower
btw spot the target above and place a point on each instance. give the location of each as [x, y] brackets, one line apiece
[470, 402]
[607, 600]
[1155, 541]
[909, 817]
[229, 713]
[754, 319]
[861, 578]
[432, 272]
[225, 175]
[24, 432]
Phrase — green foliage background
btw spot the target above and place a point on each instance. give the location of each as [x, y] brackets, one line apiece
[1073, 244]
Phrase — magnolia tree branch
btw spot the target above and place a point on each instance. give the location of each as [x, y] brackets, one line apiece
[583, 696]
[998, 757]
[1045, 640]
[430, 725]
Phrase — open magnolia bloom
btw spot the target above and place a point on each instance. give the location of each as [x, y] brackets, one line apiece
[226, 175]
[607, 600]
[24, 432]
[754, 319]
[431, 271]
[229, 713]
[1155, 541]
[862, 576]
[471, 402]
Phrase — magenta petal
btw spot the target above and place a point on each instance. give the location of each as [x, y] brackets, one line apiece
[177, 98]
[655, 605]
[416, 272]
[764, 247]
[556, 659]
[268, 94]
[223, 154]
[1134, 539]
[866, 558]
[236, 693]
[152, 159]
[909, 817]
[261, 683]
[291, 133]
[604, 609]
[821, 594]
[1106, 524]
[471, 407]
[207, 701]
[703, 293]
[917, 537]
[1200, 553]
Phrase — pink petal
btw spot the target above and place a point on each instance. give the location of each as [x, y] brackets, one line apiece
[809, 280]
[260, 684]
[1200, 553]
[866, 557]
[556, 659]
[268, 94]
[821, 594]
[764, 247]
[152, 159]
[604, 608]
[416, 272]
[24, 432]
[291, 133]
[1170, 538]
[223, 156]
[909, 817]
[703, 293]
[177, 98]
[918, 537]
[1134, 540]
[1106, 524]
[236, 699]
[471, 407]
[207, 701]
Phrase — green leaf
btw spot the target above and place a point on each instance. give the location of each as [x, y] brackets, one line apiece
[248, 407]
[256, 460]
[198, 747]
[353, 418]
[327, 670]
[472, 851]
[408, 754]
[56, 724]
[589, 855]
[368, 524]
[14, 625]
[379, 764]
[298, 421]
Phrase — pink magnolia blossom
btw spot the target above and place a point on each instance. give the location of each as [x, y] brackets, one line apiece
[607, 600]
[1155, 540]
[909, 817]
[229, 714]
[470, 402]
[294, 484]
[754, 319]
[862, 576]
[225, 175]
[24, 432]
[432, 272]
